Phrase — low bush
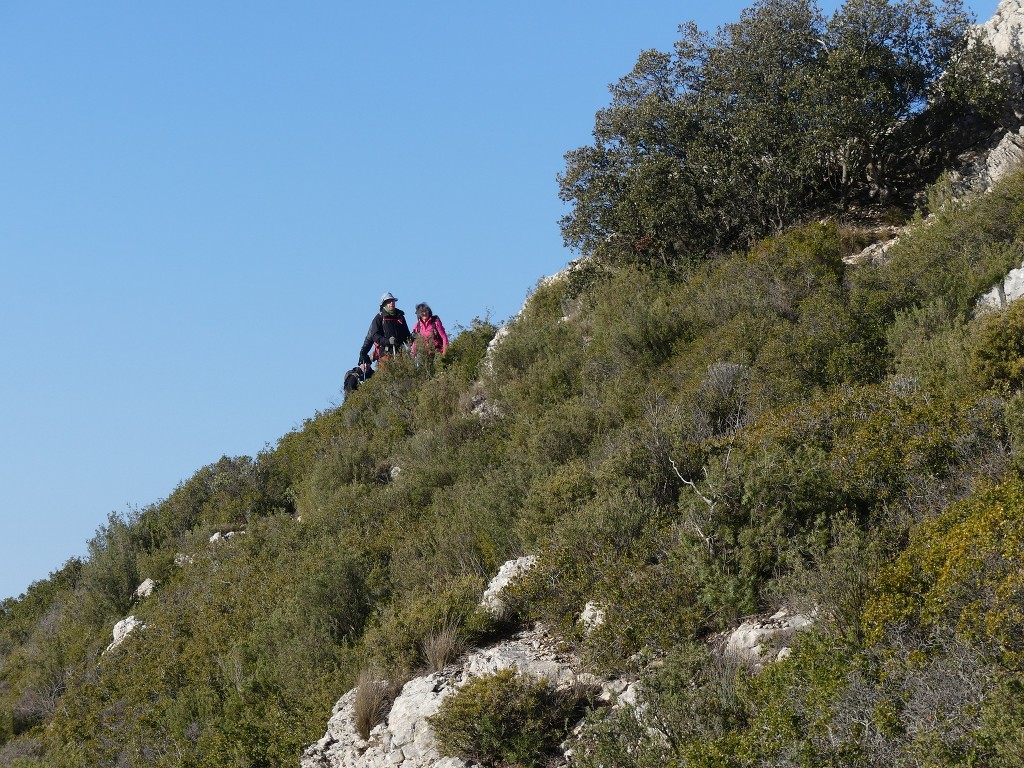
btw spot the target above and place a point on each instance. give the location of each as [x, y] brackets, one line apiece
[396, 638]
[961, 571]
[997, 358]
[506, 719]
[467, 350]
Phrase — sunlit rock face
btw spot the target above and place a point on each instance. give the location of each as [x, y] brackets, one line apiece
[1004, 29]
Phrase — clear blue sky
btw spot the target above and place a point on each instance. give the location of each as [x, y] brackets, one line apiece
[201, 203]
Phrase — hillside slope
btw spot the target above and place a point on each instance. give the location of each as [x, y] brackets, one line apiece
[680, 447]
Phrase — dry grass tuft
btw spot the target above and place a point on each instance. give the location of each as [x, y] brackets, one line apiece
[442, 646]
[372, 702]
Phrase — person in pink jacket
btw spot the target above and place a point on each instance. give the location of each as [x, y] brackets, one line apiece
[429, 330]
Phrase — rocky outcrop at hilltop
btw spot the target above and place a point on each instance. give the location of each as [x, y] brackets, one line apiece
[1004, 30]
[1003, 153]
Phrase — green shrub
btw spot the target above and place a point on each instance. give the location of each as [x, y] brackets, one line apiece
[1003, 723]
[467, 350]
[110, 574]
[695, 695]
[395, 640]
[930, 345]
[960, 570]
[997, 357]
[630, 321]
[540, 361]
[506, 719]
[620, 552]
[553, 496]
[620, 738]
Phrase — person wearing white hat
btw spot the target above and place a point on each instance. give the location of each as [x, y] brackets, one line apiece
[388, 332]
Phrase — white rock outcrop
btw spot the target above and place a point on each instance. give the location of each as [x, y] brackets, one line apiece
[405, 737]
[759, 641]
[592, 616]
[1010, 289]
[981, 170]
[1006, 28]
[492, 600]
[145, 589]
[123, 629]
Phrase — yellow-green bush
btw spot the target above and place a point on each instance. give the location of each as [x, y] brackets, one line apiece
[961, 569]
[997, 357]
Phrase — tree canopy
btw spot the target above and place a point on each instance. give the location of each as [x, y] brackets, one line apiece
[736, 134]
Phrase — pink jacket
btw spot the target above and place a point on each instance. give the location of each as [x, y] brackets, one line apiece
[433, 330]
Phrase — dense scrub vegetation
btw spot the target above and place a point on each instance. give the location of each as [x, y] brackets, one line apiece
[771, 428]
[683, 442]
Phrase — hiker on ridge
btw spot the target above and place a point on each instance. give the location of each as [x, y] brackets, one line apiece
[428, 331]
[388, 332]
[356, 376]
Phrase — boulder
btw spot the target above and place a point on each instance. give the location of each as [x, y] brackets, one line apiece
[145, 589]
[758, 641]
[592, 617]
[508, 572]
[123, 629]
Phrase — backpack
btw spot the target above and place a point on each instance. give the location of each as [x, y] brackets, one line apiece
[353, 379]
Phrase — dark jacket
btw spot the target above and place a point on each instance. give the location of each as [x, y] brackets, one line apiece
[383, 328]
[354, 377]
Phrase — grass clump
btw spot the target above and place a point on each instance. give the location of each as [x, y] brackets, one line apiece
[442, 646]
[372, 702]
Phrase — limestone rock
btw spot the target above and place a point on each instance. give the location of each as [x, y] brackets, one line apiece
[1005, 29]
[227, 535]
[876, 253]
[758, 641]
[1010, 289]
[405, 738]
[508, 572]
[123, 629]
[981, 169]
[145, 589]
[592, 616]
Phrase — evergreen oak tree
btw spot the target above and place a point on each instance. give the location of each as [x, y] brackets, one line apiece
[735, 135]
